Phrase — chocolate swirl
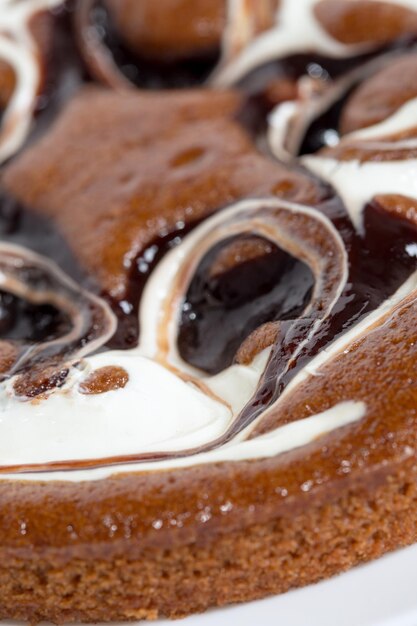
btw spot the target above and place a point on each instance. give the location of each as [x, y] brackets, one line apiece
[22, 52]
[41, 366]
[318, 272]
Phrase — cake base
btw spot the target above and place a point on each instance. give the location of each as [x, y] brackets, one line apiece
[327, 538]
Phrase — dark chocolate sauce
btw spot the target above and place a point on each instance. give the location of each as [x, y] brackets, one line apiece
[221, 311]
[29, 323]
[127, 334]
[379, 263]
[324, 130]
[40, 330]
[27, 228]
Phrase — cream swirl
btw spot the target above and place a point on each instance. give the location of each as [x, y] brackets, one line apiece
[296, 29]
[209, 412]
[19, 50]
[170, 415]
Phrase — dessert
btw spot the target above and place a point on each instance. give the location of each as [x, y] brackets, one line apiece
[208, 302]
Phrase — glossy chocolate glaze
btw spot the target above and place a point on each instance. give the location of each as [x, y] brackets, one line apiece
[330, 500]
[127, 333]
[29, 323]
[40, 330]
[379, 263]
[324, 128]
[26, 228]
[275, 286]
[316, 66]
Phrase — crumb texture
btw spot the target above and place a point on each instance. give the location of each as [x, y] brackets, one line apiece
[252, 563]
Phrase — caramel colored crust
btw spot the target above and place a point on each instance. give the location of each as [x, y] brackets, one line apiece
[170, 28]
[261, 338]
[115, 182]
[177, 542]
[365, 21]
[372, 102]
[359, 524]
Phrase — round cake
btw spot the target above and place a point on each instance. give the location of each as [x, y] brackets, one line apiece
[208, 289]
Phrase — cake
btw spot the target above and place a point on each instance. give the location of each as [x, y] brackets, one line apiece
[208, 297]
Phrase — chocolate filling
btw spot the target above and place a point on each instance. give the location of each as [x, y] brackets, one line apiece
[28, 229]
[23, 321]
[379, 263]
[221, 311]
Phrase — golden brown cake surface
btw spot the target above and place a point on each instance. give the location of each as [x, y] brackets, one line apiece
[365, 21]
[142, 165]
[170, 29]
[372, 102]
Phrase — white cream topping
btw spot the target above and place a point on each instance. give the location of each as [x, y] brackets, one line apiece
[278, 124]
[288, 122]
[155, 411]
[296, 31]
[277, 441]
[283, 439]
[402, 120]
[19, 50]
[358, 183]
